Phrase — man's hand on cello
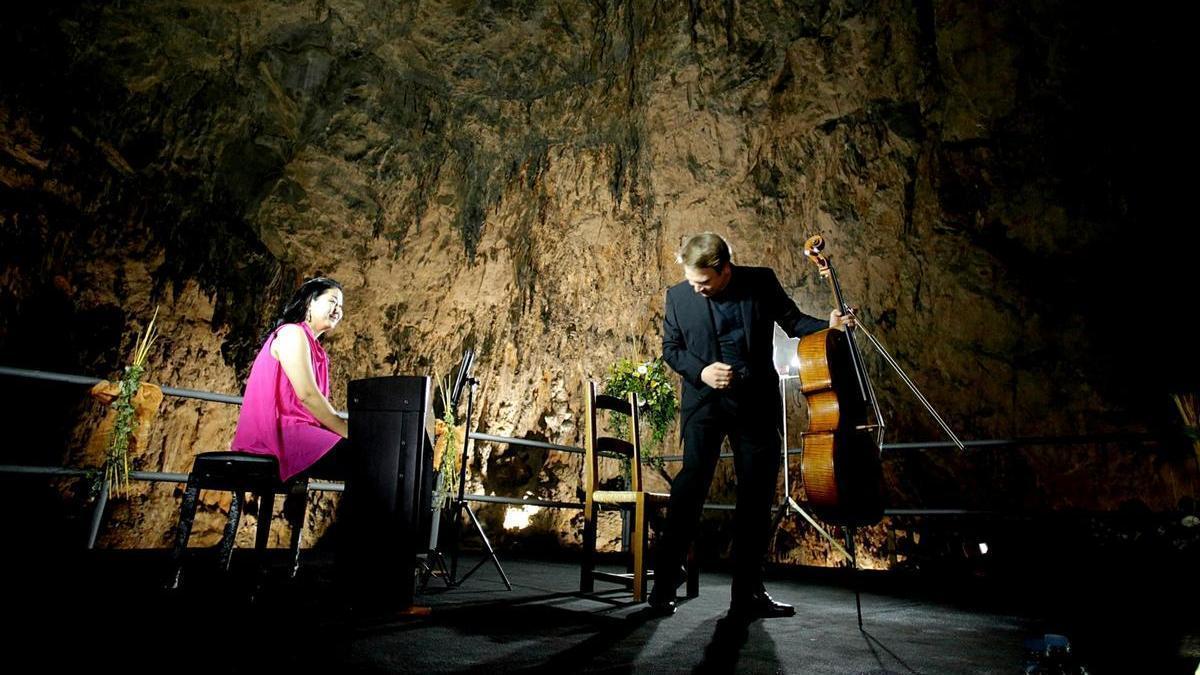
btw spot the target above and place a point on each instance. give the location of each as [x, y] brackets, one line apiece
[836, 320]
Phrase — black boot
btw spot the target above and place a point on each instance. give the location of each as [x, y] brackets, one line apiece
[758, 604]
[662, 599]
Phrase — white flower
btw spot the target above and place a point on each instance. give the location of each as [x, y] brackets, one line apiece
[642, 369]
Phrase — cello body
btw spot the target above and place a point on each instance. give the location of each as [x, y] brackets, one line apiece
[840, 466]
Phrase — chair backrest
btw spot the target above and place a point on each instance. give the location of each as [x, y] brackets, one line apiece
[595, 443]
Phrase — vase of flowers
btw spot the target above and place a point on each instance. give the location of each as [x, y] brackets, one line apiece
[656, 398]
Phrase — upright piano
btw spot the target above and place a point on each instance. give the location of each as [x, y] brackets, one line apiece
[389, 487]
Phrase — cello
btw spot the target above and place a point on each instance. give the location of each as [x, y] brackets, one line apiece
[840, 465]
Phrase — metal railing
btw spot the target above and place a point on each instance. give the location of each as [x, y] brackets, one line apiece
[173, 477]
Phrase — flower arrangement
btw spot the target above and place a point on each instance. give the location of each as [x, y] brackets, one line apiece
[656, 395]
[116, 465]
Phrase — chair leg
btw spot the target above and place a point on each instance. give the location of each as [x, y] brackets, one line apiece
[262, 531]
[638, 539]
[587, 582]
[183, 529]
[231, 528]
[295, 507]
[626, 532]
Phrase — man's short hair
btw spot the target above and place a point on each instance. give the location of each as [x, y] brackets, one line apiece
[704, 250]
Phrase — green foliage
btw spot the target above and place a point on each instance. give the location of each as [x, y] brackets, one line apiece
[656, 396]
[117, 464]
[448, 467]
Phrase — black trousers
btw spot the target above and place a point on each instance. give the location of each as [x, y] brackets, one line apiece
[753, 434]
[331, 466]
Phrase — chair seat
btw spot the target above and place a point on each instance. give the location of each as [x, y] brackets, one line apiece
[237, 471]
[628, 497]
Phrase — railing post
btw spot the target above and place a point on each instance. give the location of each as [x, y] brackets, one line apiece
[98, 514]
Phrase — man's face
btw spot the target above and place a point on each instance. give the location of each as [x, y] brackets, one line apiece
[706, 281]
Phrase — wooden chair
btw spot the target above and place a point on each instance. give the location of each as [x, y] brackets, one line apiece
[636, 500]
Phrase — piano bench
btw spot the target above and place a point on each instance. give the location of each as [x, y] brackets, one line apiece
[239, 473]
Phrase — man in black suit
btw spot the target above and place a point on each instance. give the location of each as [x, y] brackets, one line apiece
[717, 335]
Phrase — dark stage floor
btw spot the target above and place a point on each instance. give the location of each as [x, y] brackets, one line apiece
[105, 608]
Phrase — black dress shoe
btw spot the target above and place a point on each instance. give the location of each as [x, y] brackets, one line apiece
[759, 605]
[661, 604]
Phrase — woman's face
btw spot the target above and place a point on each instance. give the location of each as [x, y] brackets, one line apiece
[325, 311]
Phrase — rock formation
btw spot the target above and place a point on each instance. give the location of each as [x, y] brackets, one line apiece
[515, 175]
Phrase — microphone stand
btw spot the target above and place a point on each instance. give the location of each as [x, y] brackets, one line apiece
[460, 503]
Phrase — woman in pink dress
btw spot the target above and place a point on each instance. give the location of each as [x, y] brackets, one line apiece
[286, 412]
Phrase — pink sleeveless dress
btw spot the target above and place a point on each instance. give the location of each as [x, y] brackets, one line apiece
[273, 420]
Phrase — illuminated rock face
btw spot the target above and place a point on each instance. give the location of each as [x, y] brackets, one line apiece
[517, 175]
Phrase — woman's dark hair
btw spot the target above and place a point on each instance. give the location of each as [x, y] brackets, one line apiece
[296, 309]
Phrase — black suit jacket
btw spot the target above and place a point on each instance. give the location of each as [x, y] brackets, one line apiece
[690, 340]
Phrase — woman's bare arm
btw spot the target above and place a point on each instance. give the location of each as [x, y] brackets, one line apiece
[292, 351]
